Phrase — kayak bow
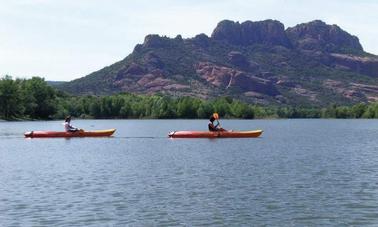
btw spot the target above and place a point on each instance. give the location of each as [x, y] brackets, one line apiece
[54, 134]
[219, 134]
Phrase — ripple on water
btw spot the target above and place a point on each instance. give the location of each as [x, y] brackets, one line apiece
[300, 173]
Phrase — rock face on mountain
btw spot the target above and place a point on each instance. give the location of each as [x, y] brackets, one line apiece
[309, 64]
[317, 35]
[268, 32]
[361, 64]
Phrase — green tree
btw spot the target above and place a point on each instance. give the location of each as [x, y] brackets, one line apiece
[10, 98]
[40, 98]
[187, 107]
[358, 110]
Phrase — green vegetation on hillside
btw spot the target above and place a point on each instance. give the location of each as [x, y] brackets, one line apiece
[34, 99]
[311, 64]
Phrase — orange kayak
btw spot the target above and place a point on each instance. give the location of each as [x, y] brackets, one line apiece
[221, 134]
[52, 134]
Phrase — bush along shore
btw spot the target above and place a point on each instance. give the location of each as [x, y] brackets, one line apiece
[30, 99]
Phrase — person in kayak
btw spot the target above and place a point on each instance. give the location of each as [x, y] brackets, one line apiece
[214, 127]
[68, 127]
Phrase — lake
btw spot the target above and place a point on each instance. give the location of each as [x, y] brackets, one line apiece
[298, 173]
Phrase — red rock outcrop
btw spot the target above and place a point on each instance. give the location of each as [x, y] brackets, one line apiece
[362, 64]
[269, 32]
[228, 78]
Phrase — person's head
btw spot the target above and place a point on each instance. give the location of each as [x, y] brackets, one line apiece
[68, 119]
[212, 118]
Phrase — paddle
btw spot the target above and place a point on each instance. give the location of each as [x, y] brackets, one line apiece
[216, 116]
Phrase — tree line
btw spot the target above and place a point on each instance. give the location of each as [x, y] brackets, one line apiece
[35, 99]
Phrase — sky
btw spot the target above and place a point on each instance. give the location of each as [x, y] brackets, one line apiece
[67, 39]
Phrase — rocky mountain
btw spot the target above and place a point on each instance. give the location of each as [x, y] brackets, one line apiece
[261, 62]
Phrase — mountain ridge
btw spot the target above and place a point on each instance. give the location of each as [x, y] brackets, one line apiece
[259, 62]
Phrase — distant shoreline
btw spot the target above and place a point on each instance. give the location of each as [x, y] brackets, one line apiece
[88, 119]
[34, 99]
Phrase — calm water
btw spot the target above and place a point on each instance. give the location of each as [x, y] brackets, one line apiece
[300, 172]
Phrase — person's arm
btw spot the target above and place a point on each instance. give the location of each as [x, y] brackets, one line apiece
[216, 126]
[211, 127]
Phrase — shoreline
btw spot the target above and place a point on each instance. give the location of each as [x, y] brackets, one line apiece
[88, 119]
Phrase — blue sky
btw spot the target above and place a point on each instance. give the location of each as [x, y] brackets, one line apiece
[64, 40]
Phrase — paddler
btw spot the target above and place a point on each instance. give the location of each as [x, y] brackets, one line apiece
[215, 127]
[68, 127]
